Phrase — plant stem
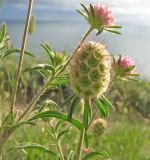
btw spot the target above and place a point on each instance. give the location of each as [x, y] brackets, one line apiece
[21, 56]
[35, 99]
[79, 149]
[81, 42]
[58, 143]
[93, 117]
[95, 113]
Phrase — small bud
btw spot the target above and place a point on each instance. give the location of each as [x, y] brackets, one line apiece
[86, 150]
[124, 67]
[99, 126]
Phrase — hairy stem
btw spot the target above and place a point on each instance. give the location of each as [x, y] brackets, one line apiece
[58, 143]
[93, 117]
[42, 90]
[21, 56]
[36, 98]
[80, 44]
[82, 134]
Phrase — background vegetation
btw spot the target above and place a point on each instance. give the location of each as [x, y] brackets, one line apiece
[126, 137]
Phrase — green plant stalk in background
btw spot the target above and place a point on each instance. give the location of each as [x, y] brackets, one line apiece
[21, 57]
[4, 136]
[59, 148]
[82, 134]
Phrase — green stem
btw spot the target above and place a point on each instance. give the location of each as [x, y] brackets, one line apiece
[95, 113]
[36, 98]
[81, 140]
[81, 42]
[42, 90]
[58, 143]
[93, 117]
[21, 56]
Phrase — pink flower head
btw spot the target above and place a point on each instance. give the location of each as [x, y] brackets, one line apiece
[103, 15]
[86, 150]
[125, 66]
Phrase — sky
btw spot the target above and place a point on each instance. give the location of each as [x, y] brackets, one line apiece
[46, 8]
[133, 15]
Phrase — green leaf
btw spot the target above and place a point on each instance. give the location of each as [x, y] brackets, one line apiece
[102, 107]
[38, 67]
[131, 79]
[119, 60]
[72, 108]
[100, 31]
[70, 157]
[54, 114]
[114, 27]
[107, 102]
[99, 153]
[50, 102]
[113, 58]
[49, 52]
[131, 68]
[86, 140]
[86, 10]
[92, 11]
[81, 13]
[67, 100]
[134, 75]
[22, 123]
[49, 133]
[58, 125]
[61, 134]
[15, 50]
[64, 79]
[36, 147]
[3, 32]
[112, 31]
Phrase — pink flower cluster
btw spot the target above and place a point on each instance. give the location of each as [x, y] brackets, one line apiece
[125, 63]
[104, 15]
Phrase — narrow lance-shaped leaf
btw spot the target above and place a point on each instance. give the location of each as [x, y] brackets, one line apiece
[86, 10]
[99, 153]
[15, 50]
[112, 31]
[22, 123]
[113, 58]
[81, 13]
[72, 107]
[49, 52]
[58, 125]
[61, 134]
[54, 114]
[36, 147]
[60, 80]
[114, 27]
[131, 68]
[3, 32]
[103, 108]
[107, 102]
[70, 155]
[92, 11]
[134, 75]
[119, 60]
[41, 67]
[100, 31]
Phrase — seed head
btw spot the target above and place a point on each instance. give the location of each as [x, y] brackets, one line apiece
[89, 70]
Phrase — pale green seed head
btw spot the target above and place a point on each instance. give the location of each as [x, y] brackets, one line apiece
[89, 70]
